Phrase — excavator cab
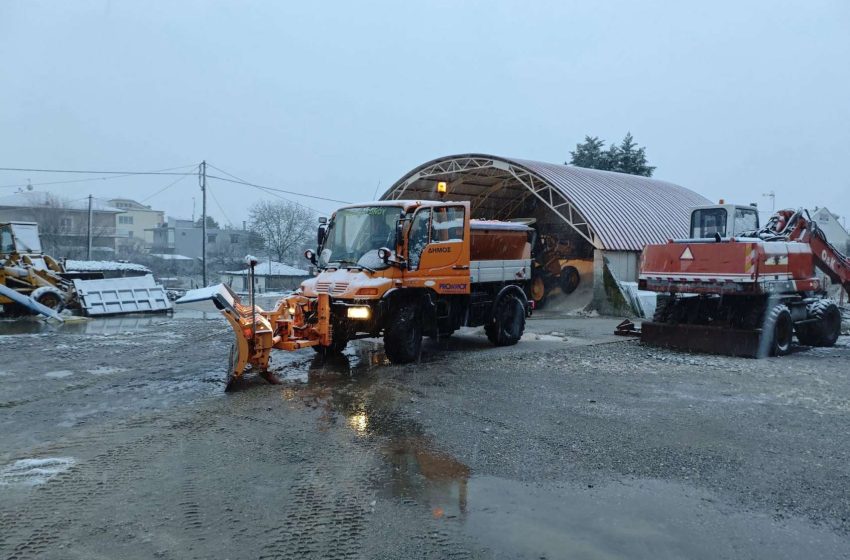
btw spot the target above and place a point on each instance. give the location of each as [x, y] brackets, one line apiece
[724, 220]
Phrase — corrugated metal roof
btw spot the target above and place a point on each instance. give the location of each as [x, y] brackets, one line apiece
[625, 212]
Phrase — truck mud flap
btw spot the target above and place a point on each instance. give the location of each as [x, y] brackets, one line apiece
[702, 338]
[139, 294]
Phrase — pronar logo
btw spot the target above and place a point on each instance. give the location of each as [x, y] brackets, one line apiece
[452, 287]
[432, 250]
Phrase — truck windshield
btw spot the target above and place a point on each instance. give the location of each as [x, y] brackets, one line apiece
[355, 235]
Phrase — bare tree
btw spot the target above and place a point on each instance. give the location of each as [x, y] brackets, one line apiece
[63, 226]
[285, 228]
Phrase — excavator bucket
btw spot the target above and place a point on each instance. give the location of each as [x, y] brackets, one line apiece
[702, 338]
[110, 296]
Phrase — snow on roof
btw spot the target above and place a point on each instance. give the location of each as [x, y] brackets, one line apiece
[98, 266]
[37, 199]
[270, 268]
[167, 257]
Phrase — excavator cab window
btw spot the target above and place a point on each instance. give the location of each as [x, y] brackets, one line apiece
[746, 219]
[706, 222]
[7, 243]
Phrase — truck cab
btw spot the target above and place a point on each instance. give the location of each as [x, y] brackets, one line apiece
[725, 220]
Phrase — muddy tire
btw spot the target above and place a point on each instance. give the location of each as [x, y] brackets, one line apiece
[663, 308]
[826, 327]
[538, 290]
[508, 322]
[779, 330]
[403, 334]
[50, 297]
[569, 279]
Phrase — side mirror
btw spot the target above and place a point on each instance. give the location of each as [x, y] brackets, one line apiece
[310, 256]
[320, 237]
[384, 254]
[323, 220]
[399, 232]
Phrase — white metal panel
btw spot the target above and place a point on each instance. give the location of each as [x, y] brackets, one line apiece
[499, 270]
[140, 294]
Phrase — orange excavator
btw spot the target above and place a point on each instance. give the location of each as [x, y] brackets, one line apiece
[733, 290]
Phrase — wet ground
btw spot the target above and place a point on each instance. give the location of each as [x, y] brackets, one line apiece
[116, 441]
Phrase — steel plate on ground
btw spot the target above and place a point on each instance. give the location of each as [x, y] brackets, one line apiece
[702, 338]
[140, 294]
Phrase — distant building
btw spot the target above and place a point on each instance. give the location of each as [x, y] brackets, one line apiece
[63, 224]
[183, 237]
[831, 226]
[270, 276]
[135, 225]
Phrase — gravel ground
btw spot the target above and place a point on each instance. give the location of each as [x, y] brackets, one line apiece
[117, 442]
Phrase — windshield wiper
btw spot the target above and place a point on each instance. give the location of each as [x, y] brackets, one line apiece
[355, 265]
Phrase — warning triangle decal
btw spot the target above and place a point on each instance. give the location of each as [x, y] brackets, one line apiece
[687, 255]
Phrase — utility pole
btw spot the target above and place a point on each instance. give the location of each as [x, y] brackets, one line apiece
[88, 234]
[204, 219]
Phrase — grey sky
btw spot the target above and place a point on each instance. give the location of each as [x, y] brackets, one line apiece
[732, 99]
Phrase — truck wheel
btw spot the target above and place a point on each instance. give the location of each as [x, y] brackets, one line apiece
[403, 334]
[826, 328]
[48, 296]
[538, 290]
[508, 322]
[569, 279]
[779, 328]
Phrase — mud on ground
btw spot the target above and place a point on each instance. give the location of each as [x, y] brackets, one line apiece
[116, 441]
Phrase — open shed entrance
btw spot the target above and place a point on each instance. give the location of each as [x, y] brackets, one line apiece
[563, 273]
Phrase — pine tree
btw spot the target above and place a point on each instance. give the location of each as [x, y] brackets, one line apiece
[628, 157]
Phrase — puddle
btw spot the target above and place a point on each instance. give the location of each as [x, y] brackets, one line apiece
[83, 325]
[31, 472]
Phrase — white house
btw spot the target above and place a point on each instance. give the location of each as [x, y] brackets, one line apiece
[270, 276]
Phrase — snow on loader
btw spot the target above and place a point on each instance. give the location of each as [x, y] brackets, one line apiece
[734, 288]
[397, 269]
[31, 282]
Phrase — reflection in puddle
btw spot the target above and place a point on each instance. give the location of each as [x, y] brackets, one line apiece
[83, 325]
[344, 390]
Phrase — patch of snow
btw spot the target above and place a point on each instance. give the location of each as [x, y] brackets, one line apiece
[30, 472]
[102, 266]
[59, 374]
[105, 370]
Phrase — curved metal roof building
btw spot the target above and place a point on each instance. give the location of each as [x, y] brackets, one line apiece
[612, 211]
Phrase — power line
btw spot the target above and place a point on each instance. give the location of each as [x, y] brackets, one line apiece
[266, 190]
[106, 178]
[89, 172]
[223, 213]
[241, 182]
[168, 186]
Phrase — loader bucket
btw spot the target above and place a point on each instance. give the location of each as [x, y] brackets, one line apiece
[110, 296]
[702, 338]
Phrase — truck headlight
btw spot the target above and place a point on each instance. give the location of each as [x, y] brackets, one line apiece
[359, 312]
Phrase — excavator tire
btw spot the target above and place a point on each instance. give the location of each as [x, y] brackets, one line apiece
[49, 296]
[826, 328]
[663, 308]
[779, 330]
[569, 279]
[403, 334]
[508, 322]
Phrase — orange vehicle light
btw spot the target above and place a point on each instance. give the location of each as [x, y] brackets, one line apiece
[367, 292]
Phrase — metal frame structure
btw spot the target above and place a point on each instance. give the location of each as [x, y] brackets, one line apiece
[504, 176]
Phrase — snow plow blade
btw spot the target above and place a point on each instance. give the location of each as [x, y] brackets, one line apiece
[702, 338]
[29, 303]
[110, 296]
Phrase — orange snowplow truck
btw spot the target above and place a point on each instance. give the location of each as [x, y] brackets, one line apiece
[397, 269]
[734, 288]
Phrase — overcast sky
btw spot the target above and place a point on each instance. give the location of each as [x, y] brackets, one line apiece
[731, 99]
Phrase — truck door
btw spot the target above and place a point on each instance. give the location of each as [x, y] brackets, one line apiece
[438, 254]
